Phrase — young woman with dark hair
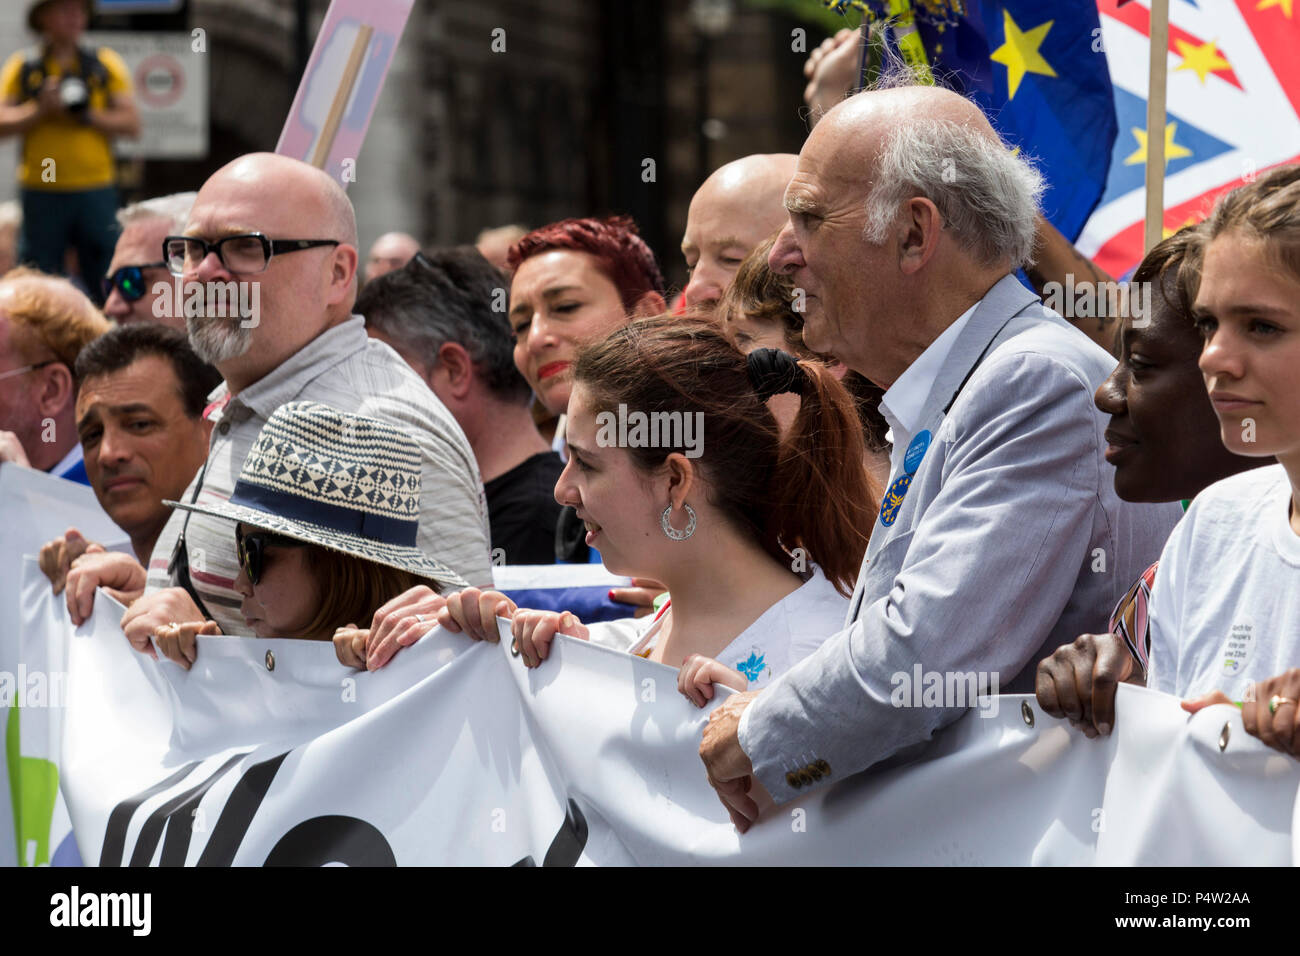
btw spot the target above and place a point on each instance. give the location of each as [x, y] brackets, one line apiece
[1163, 435]
[757, 534]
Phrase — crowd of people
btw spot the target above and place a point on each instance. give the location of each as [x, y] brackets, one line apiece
[855, 444]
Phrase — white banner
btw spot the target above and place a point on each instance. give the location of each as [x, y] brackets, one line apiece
[34, 508]
[269, 751]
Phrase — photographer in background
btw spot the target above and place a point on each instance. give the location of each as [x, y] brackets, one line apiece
[67, 102]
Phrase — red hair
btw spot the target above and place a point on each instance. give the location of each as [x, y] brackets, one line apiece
[620, 253]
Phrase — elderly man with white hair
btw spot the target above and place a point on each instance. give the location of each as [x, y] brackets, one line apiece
[1000, 536]
[138, 287]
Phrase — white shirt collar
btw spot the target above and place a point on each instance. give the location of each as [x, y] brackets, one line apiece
[903, 403]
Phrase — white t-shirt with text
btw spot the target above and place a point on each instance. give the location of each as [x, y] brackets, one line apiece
[1225, 608]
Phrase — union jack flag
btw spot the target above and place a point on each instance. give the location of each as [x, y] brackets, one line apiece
[1232, 108]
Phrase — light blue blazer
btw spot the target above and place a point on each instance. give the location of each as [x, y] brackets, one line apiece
[1009, 541]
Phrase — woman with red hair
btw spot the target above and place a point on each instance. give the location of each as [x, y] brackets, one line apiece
[574, 282]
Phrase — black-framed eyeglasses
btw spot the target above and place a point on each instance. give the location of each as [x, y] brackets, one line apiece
[251, 547]
[129, 281]
[10, 373]
[247, 253]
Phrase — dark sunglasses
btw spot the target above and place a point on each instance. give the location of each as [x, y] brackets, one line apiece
[251, 547]
[129, 281]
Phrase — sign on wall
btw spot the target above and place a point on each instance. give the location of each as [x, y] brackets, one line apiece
[169, 73]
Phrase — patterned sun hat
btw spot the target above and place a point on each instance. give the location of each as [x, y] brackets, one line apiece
[344, 482]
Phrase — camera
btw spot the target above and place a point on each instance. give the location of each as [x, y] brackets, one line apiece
[74, 94]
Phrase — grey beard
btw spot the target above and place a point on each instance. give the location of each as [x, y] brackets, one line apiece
[218, 340]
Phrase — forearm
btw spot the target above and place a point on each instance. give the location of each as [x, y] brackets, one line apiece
[1057, 257]
[116, 121]
[16, 119]
[895, 683]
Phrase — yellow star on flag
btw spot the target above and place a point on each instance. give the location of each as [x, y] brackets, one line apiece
[1203, 59]
[1284, 4]
[1172, 150]
[1019, 52]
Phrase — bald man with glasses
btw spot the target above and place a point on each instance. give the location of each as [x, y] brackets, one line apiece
[276, 234]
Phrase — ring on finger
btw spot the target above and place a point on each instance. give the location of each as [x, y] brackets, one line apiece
[1276, 701]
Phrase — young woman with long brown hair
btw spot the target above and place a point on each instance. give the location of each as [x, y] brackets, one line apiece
[758, 534]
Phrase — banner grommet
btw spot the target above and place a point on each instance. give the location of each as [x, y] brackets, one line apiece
[1027, 713]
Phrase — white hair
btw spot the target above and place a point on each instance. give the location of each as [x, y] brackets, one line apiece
[987, 195]
[174, 208]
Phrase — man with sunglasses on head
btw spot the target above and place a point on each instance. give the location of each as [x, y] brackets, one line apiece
[138, 287]
[289, 229]
[44, 323]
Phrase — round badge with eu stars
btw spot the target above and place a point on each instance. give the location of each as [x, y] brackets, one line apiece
[894, 500]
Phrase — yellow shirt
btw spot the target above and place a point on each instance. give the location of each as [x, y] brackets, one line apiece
[83, 158]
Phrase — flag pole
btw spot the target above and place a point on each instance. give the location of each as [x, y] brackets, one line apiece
[342, 94]
[1155, 180]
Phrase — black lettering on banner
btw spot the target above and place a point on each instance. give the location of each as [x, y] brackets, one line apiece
[332, 839]
[231, 827]
[314, 842]
[236, 816]
[569, 842]
[152, 830]
[115, 831]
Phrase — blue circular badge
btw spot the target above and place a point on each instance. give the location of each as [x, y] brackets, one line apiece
[916, 451]
[894, 500]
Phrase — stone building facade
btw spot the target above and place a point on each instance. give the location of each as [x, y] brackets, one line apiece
[527, 111]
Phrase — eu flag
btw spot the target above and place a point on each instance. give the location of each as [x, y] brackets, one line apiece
[1038, 70]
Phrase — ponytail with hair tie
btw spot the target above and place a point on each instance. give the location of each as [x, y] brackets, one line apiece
[807, 489]
[773, 372]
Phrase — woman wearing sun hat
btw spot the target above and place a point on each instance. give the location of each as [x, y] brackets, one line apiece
[326, 511]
